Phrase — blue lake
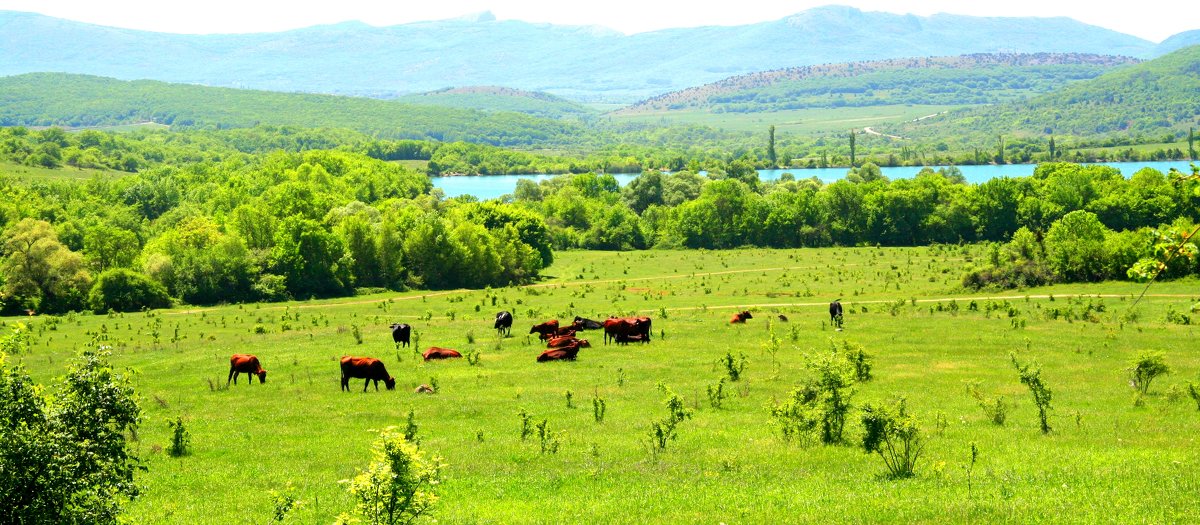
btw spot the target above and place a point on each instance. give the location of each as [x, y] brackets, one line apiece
[493, 186]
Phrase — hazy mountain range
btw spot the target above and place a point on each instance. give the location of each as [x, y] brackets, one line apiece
[578, 62]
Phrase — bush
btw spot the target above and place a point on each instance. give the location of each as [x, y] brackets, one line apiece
[1031, 376]
[894, 435]
[179, 439]
[64, 457]
[663, 431]
[821, 405]
[1145, 368]
[995, 409]
[398, 485]
[124, 290]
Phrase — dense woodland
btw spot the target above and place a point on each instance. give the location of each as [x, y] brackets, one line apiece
[260, 215]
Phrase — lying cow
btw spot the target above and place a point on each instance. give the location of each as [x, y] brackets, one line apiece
[583, 323]
[545, 330]
[440, 353]
[400, 334]
[367, 368]
[624, 339]
[741, 317]
[557, 354]
[245, 364]
[504, 322]
[565, 341]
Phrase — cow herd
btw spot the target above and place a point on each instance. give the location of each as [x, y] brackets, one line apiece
[561, 344]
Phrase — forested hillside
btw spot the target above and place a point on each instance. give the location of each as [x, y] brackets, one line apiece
[960, 80]
[583, 63]
[1160, 97]
[492, 98]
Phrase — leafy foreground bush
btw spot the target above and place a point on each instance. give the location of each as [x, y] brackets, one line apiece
[1147, 367]
[64, 457]
[819, 407]
[398, 485]
[894, 434]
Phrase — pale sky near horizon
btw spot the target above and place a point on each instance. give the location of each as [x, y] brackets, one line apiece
[1152, 20]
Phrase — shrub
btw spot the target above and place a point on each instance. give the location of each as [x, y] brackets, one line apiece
[1031, 376]
[410, 428]
[734, 366]
[66, 452]
[995, 409]
[524, 423]
[397, 487]
[894, 434]
[1195, 394]
[180, 439]
[598, 409]
[857, 357]
[124, 290]
[663, 431]
[1145, 369]
[549, 440]
[716, 394]
[821, 405]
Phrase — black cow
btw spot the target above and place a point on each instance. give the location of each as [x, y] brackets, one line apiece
[835, 314]
[400, 333]
[582, 323]
[504, 323]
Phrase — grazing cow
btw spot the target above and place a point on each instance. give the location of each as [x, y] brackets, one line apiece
[564, 341]
[740, 317]
[783, 318]
[367, 368]
[627, 326]
[400, 333]
[440, 353]
[587, 324]
[546, 329]
[556, 354]
[504, 323]
[245, 364]
[835, 314]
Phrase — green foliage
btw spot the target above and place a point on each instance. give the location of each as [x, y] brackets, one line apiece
[734, 366]
[995, 409]
[819, 407]
[599, 406]
[1075, 247]
[64, 458]
[1194, 393]
[41, 272]
[122, 290]
[894, 434]
[398, 485]
[664, 431]
[716, 393]
[1144, 369]
[283, 502]
[180, 439]
[857, 356]
[410, 428]
[15, 341]
[1030, 375]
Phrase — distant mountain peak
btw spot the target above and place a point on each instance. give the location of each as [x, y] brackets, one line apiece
[482, 16]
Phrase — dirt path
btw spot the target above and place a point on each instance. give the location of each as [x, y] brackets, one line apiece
[870, 131]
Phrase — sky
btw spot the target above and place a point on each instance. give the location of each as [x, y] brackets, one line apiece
[1152, 20]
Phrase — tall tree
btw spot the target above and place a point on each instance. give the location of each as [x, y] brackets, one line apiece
[1053, 152]
[771, 147]
[1192, 143]
[1000, 150]
[852, 158]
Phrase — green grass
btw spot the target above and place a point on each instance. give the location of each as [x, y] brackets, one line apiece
[1106, 461]
[797, 122]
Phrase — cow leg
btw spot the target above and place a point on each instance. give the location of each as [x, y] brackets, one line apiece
[230, 376]
[345, 382]
[366, 384]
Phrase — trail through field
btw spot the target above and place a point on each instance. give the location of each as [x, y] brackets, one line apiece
[870, 131]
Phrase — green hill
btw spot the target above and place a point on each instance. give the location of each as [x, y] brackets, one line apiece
[1158, 97]
[494, 98]
[957, 80]
[58, 99]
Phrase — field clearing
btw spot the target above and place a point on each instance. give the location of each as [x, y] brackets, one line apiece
[1107, 460]
[799, 122]
[25, 173]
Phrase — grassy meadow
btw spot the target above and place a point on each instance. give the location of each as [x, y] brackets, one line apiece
[1106, 461]
[798, 121]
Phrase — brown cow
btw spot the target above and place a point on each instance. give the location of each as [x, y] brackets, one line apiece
[440, 353]
[367, 368]
[741, 317]
[556, 354]
[245, 364]
[564, 341]
[623, 327]
[545, 330]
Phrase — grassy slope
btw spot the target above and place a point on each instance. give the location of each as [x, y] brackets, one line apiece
[798, 122]
[1107, 461]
